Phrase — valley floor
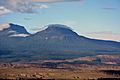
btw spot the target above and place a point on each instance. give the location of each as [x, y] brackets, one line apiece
[75, 72]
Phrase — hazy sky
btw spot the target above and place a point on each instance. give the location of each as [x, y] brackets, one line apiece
[84, 16]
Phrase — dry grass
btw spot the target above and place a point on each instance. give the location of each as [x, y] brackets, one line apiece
[45, 73]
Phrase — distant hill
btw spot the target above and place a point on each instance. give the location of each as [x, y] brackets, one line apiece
[55, 42]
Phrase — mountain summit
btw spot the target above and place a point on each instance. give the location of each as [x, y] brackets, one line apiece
[62, 29]
[57, 32]
[13, 30]
[19, 29]
[59, 27]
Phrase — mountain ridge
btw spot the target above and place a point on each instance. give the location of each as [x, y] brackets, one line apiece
[55, 42]
[11, 29]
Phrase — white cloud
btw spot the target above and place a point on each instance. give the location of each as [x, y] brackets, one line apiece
[106, 35]
[41, 6]
[3, 10]
[22, 6]
[26, 6]
[17, 5]
[4, 26]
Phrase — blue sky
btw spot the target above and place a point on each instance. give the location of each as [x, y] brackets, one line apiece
[84, 16]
